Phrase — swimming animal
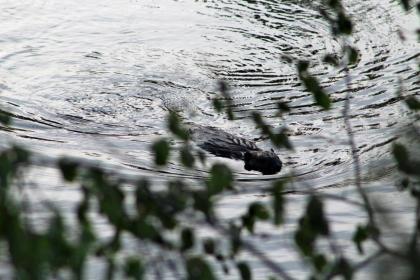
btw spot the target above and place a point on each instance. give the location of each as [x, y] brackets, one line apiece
[223, 144]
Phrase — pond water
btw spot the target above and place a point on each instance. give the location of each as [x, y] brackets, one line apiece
[95, 80]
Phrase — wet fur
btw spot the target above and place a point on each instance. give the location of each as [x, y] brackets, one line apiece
[223, 144]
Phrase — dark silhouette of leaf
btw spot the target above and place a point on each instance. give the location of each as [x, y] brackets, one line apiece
[161, 150]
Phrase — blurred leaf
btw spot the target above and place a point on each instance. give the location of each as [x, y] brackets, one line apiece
[133, 268]
[412, 103]
[343, 268]
[305, 237]
[197, 268]
[281, 139]
[218, 105]
[221, 178]
[345, 26]
[302, 66]
[235, 238]
[361, 235]
[209, 246]
[278, 202]
[283, 107]
[161, 150]
[175, 127]
[317, 219]
[313, 86]
[244, 271]
[405, 4]
[258, 210]
[187, 158]
[248, 222]
[353, 55]
[331, 59]
[187, 239]
[203, 203]
[5, 118]
[223, 87]
[68, 169]
[319, 261]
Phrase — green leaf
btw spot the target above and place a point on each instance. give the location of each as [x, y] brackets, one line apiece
[313, 86]
[5, 118]
[353, 55]
[302, 66]
[405, 4]
[133, 268]
[209, 246]
[248, 222]
[278, 202]
[345, 26]
[317, 219]
[161, 150]
[174, 125]
[259, 211]
[319, 261]
[281, 139]
[68, 169]
[197, 268]
[331, 59]
[244, 271]
[283, 107]
[361, 235]
[413, 103]
[343, 268]
[187, 158]
[187, 239]
[221, 178]
[218, 105]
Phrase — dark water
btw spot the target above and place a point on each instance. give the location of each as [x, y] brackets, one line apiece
[95, 79]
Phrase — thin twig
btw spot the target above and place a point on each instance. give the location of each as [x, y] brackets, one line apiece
[368, 260]
[357, 171]
[274, 267]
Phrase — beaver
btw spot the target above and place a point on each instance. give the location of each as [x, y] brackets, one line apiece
[223, 144]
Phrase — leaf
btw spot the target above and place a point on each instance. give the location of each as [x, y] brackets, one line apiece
[244, 271]
[68, 169]
[221, 178]
[209, 246]
[405, 4]
[313, 86]
[161, 150]
[5, 118]
[218, 105]
[281, 139]
[353, 55]
[259, 211]
[331, 59]
[317, 219]
[134, 268]
[278, 202]
[187, 158]
[361, 235]
[175, 127]
[344, 24]
[319, 261]
[302, 66]
[187, 239]
[412, 103]
[197, 268]
[343, 268]
[248, 222]
[283, 107]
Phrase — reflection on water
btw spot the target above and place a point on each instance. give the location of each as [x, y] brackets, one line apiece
[95, 80]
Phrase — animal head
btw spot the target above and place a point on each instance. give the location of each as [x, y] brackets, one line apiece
[266, 162]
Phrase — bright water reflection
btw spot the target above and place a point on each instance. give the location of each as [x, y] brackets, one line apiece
[94, 79]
